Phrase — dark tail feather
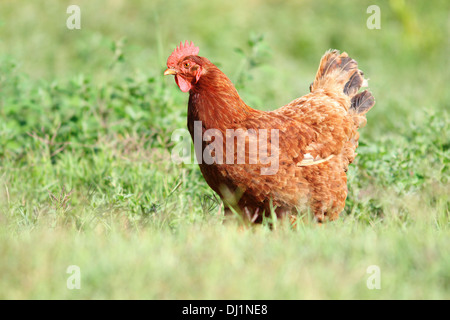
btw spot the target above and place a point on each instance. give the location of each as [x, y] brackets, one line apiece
[362, 102]
[355, 82]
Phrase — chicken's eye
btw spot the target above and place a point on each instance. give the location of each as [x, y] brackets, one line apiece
[186, 65]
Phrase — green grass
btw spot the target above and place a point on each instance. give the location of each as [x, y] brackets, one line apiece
[86, 119]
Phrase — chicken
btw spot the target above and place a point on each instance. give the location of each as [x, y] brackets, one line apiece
[289, 160]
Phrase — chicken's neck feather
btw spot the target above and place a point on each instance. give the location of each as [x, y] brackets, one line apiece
[215, 102]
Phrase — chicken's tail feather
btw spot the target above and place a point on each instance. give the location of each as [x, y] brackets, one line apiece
[339, 71]
[362, 102]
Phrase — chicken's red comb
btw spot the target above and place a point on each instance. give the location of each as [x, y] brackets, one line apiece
[182, 51]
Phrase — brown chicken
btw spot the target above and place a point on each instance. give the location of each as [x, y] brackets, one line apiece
[288, 160]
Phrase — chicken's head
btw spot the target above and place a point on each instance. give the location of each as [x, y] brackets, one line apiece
[185, 64]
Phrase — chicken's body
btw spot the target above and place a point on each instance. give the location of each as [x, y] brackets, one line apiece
[317, 137]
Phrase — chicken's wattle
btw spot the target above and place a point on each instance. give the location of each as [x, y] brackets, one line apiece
[182, 83]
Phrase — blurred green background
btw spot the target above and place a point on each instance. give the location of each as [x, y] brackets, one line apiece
[86, 119]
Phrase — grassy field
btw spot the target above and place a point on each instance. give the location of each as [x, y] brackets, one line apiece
[86, 179]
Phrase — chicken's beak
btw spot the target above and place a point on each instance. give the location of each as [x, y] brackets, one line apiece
[170, 71]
